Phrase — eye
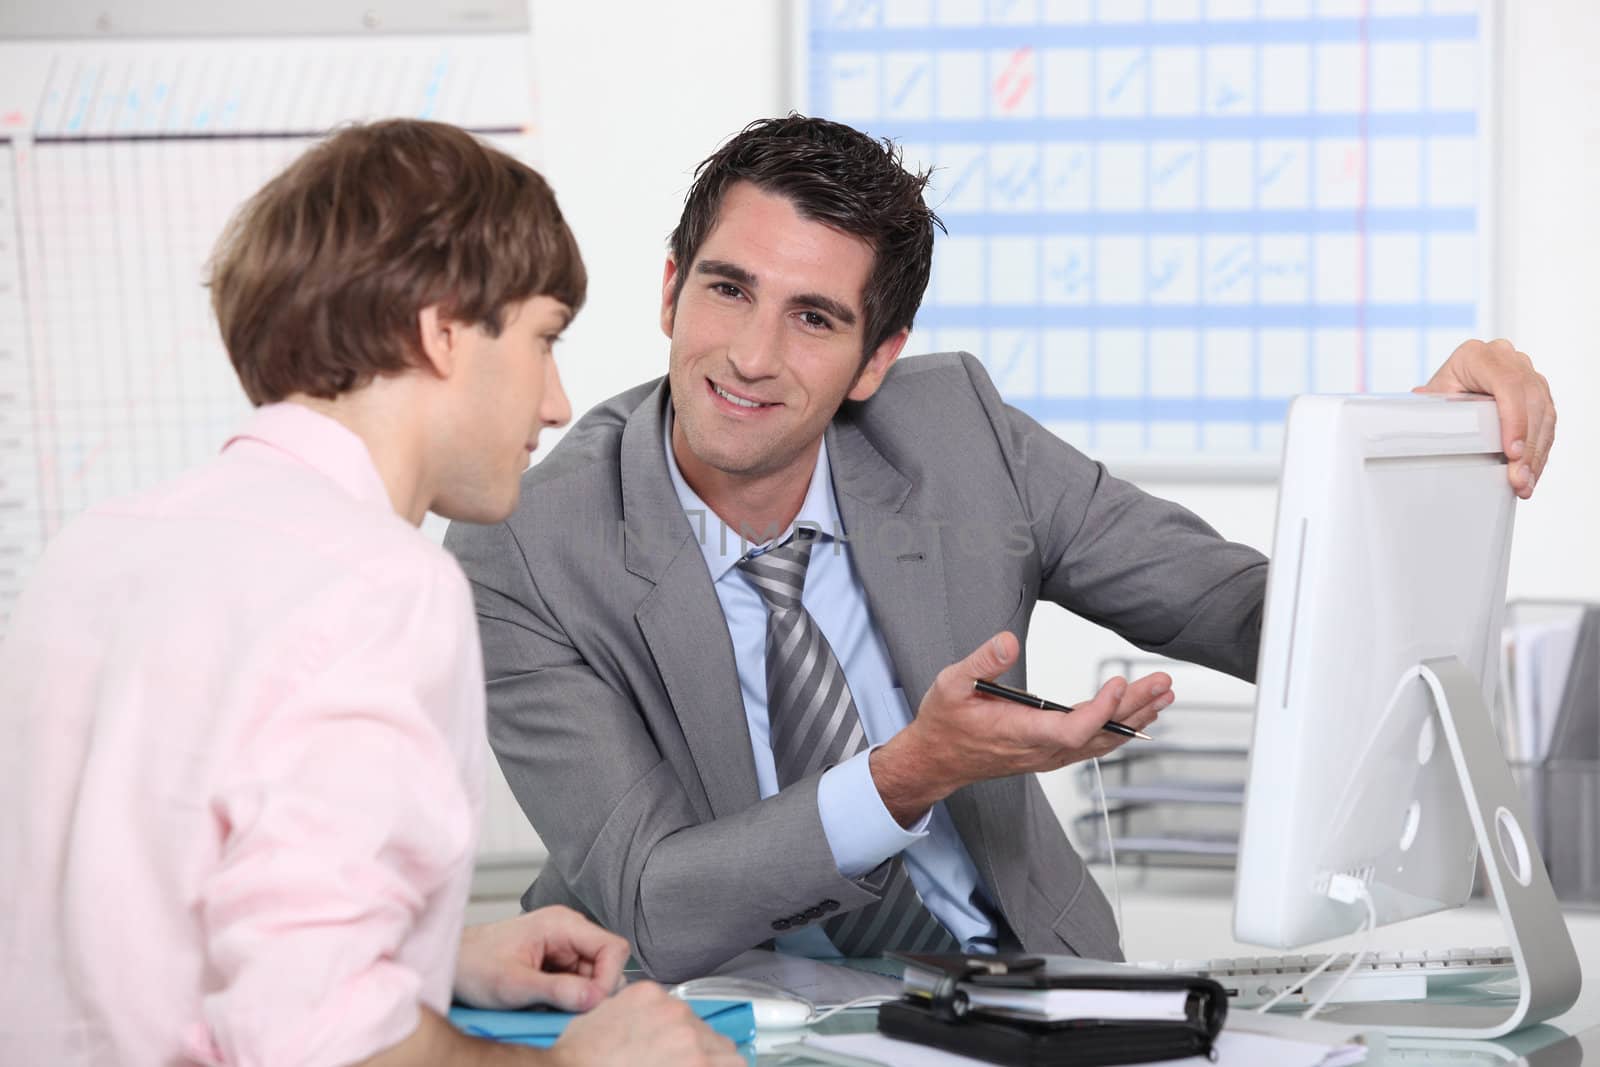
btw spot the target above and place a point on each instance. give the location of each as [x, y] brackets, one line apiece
[727, 289]
[816, 320]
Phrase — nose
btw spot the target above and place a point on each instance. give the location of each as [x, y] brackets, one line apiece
[756, 349]
[554, 407]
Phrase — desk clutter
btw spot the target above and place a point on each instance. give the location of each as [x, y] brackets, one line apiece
[1048, 1010]
[1015, 1009]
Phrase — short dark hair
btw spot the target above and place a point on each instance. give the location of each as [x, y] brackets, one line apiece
[318, 279]
[837, 176]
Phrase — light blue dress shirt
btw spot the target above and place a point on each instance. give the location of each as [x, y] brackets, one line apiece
[859, 828]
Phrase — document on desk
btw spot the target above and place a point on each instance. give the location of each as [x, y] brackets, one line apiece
[825, 985]
[1236, 1048]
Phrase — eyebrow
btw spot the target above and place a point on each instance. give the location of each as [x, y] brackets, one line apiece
[735, 273]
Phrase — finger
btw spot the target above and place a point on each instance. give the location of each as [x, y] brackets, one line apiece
[1547, 440]
[1141, 717]
[1541, 424]
[1512, 405]
[608, 964]
[1145, 716]
[994, 657]
[1521, 395]
[1522, 454]
[569, 992]
[1146, 689]
[1083, 723]
[1498, 369]
[579, 945]
[642, 990]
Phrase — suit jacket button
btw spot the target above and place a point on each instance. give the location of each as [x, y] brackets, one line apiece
[813, 912]
[781, 924]
[829, 905]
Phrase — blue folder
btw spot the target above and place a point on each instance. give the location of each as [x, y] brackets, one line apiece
[731, 1018]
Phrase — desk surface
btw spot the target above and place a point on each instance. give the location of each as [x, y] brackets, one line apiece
[1557, 1049]
[1172, 915]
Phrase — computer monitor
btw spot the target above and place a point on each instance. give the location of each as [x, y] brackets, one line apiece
[1374, 756]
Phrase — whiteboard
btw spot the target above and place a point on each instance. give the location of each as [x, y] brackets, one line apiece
[120, 161]
[1167, 217]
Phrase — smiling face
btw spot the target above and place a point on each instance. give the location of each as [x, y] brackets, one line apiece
[508, 390]
[767, 339]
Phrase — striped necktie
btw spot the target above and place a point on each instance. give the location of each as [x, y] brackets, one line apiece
[812, 723]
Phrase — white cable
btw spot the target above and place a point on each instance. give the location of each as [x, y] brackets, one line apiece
[1111, 849]
[1269, 1005]
[1342, 888]
[1359, 890]
[859, 1002]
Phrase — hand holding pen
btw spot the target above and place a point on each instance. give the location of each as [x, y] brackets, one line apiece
[960, 736]
[1020, 696]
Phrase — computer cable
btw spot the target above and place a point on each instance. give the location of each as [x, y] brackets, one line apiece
[1344, 889]
[1111, 848]
[860, 1002]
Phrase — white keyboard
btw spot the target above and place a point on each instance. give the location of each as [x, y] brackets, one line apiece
[1253, 980]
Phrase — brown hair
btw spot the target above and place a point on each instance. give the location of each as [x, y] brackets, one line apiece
[837, 176]
[317, 281]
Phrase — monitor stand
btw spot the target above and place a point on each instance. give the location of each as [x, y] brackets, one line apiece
[1547, 964]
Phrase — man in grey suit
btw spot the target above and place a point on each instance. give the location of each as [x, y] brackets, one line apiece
[707, 625]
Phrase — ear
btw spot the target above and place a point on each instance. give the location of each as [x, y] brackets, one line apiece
[441, 340]
[877, 366]
[669, 299]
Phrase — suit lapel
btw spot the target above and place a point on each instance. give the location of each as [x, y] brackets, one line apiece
[681, 619]
[899, 560]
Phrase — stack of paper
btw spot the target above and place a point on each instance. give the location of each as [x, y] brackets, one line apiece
[1083, 1003]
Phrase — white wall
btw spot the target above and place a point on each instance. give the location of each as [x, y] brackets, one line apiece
[635, 95]
[632, 97]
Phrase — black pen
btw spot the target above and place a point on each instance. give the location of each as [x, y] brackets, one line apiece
[1019, 696]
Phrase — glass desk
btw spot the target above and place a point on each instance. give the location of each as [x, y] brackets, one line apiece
[1196, 926]
[1537, 1046]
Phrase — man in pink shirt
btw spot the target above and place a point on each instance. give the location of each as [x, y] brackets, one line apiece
[244, 711]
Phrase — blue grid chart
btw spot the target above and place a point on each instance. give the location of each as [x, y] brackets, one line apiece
[1167, 217]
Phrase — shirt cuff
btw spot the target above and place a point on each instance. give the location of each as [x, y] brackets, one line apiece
[859, 829]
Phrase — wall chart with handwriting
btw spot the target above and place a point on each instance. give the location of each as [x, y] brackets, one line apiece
[120, 161]
[1167, 217]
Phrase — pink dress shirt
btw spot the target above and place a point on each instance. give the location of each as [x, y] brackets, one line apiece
[241, 763]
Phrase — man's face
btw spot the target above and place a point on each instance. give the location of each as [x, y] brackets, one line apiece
[767, 338]
[509, 390]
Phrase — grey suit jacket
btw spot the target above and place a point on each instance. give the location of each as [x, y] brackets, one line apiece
[614, 702]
